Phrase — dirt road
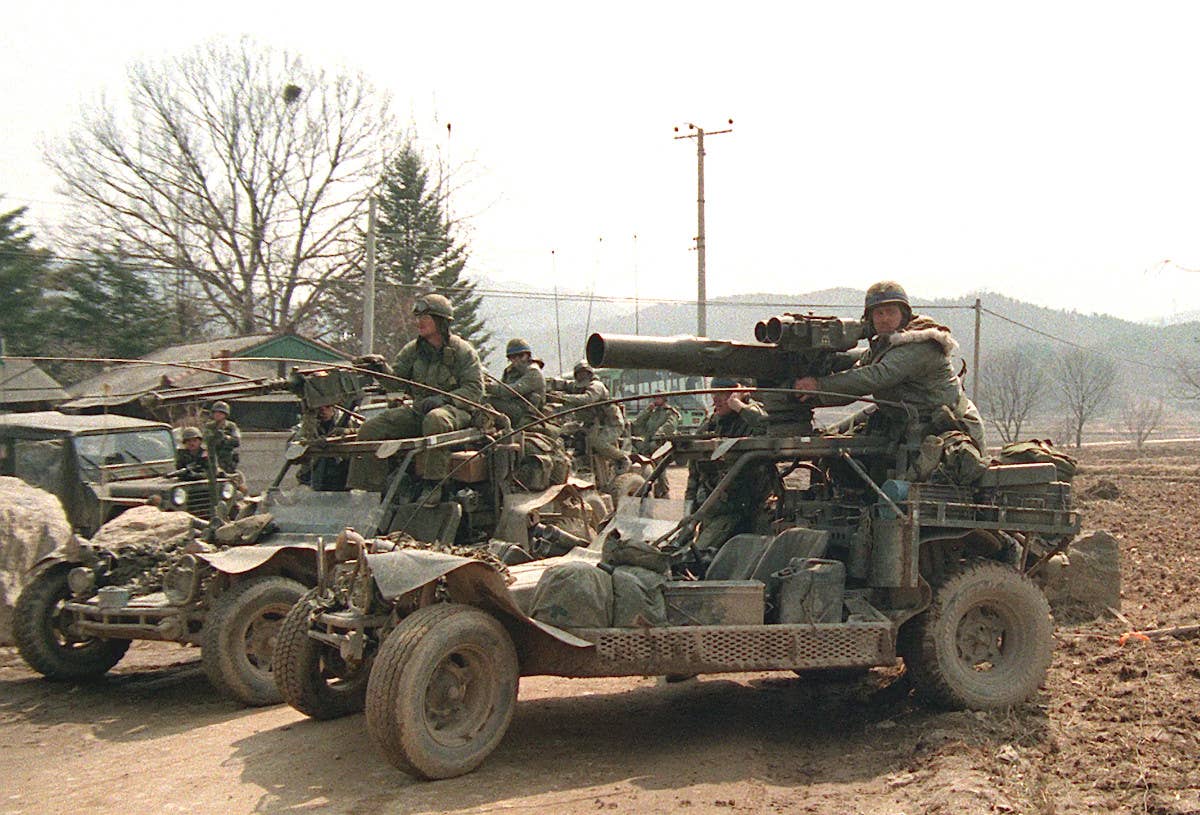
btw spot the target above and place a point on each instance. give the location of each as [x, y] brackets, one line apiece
[1116, 729]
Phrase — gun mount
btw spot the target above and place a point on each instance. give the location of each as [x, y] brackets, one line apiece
[788, 346]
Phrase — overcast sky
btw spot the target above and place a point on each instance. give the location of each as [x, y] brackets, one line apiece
[1049, 151]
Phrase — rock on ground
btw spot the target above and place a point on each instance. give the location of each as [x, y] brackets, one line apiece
[32, 524]
[1090, 580]
[141, 526]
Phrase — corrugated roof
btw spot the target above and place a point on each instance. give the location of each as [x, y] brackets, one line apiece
[55, 422]
[21, 381]
[124, 382]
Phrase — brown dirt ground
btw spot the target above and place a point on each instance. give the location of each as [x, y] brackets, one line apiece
[1115, 729]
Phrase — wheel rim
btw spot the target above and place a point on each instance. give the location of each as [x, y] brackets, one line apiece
[986, 639]
[459, 698]
[58, 624]
[260, 634]
[338, 675]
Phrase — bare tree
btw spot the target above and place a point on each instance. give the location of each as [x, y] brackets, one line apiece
[1140, 417]
[1013, 383]
[1085, 382]
[237, 164]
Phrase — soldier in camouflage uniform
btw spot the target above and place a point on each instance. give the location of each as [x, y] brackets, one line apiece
[521, 392]
[907, 360]
[222, 438]
[191, 459]
[437, 358]
[326, 421]
[734, 414]
[602, 424]
[654, 424]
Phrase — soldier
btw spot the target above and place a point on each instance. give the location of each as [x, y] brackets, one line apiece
[521, 392]
[324, 473]
[734, 414]
[907, 360]
[222, 438]
[602, 424]
[654, 424]
[191, 459]
[436, 358]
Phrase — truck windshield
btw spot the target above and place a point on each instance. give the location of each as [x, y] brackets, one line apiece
[128, 454]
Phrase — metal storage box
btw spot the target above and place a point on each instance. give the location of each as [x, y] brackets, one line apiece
[714, 602]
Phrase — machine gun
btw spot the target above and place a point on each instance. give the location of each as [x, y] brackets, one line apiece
[788, 346]
[313, 386]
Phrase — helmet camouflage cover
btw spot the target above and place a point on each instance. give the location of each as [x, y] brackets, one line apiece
[582, 367]
[517, 346]
[220, 407]
[191, 433]
[435, 304]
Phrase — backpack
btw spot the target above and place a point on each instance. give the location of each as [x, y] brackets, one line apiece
[1039, 451]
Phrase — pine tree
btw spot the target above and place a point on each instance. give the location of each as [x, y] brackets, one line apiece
[24, 274]
[417, 251]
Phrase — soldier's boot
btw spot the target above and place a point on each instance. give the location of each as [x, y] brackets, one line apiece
[928, 459]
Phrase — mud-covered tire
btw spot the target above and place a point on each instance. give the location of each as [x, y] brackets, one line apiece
[442, 691]
[238, 641]
[624, 486]
[984, 643]
[311, 675]
[41, 640]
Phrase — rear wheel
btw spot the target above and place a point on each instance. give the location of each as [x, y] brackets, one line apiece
[311, 675]
[42, 632]
[239, 637]
[984, 643]
[443, 690]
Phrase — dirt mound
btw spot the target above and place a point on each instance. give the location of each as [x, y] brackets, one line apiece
[1102, 490]
[32, 524]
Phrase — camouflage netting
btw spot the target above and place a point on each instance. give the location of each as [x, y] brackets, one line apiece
[32, 524]
[146, 542]
[405, 541]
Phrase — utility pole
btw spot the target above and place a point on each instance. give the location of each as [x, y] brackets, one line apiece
[557, 319]
[637, 326]
[701, 285]
[975, 374]
[368, 334]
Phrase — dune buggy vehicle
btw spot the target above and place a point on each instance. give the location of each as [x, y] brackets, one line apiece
[86, 602]
[99, 466]
[860, 565]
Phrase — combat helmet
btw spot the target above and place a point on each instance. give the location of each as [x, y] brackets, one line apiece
[517, 346]
[582, 367]
[191, 433]
[434, 304]
[219, 407]
[883, 292]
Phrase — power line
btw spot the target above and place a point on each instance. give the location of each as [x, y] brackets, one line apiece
[1071, 343]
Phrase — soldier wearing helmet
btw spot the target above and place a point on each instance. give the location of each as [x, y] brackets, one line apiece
[907, 359]
[222, 438]
[602, 424]
[520, 393]
[191, 459]
[441, 360]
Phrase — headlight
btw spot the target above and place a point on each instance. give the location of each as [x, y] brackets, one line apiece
[226, 491]
[81, 580]
[179, 497]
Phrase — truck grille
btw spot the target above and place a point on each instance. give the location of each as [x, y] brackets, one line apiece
[199, 500]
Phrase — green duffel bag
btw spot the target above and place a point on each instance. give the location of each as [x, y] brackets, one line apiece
[1039, 451]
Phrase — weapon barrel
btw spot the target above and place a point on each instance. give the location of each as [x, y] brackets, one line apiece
[199, 393]
[691, 356]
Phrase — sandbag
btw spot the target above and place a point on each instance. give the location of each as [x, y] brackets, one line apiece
[638, 597]
[1039, 451]
[575, 594]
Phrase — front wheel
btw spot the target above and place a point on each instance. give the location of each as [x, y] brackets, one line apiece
[42, 632]
[443, 690]
[984, 643]
[311, 675]
[239, 637]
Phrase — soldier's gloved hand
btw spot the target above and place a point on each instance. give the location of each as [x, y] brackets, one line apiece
[430, 403]
[372, 362]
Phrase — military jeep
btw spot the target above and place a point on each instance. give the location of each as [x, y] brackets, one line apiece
[99, 466]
